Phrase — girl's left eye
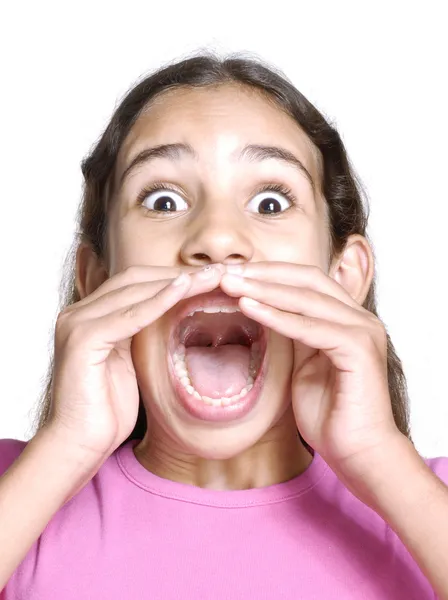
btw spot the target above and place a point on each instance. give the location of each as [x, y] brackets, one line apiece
[271, 200]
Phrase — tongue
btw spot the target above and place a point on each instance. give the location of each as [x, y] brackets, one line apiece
[219, 372]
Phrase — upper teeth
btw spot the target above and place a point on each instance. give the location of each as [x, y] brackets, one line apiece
[215, 309]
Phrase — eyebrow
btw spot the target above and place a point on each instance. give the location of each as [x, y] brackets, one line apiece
[251, 152]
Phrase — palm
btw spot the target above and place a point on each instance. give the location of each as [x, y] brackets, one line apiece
[327, 410]
[122, 389]
[105, 404]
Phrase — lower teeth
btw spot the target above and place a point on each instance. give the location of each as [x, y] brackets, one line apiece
[180, 368]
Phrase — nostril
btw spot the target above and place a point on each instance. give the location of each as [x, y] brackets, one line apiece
[234, 258]
[202, 258]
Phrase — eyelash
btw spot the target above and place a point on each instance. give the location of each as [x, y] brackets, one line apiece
[274, 187]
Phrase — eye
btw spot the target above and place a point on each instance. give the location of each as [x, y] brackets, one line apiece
[271, 200]
[162, 199]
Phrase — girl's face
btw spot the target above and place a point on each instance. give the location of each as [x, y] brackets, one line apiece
[217, 215]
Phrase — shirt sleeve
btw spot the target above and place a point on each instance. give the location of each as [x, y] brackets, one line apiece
[439, 466]
[9, 450]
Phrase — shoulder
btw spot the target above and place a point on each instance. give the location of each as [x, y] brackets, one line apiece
[9, 450]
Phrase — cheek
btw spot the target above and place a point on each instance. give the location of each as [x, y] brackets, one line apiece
[280, 367]
[140, 245]
[148, 352]
[301, 245]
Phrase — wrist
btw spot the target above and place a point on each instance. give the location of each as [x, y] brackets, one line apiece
[66, 457]
[71, 445]
[378, 474]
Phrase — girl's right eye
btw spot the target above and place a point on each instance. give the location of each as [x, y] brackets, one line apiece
[161, 199]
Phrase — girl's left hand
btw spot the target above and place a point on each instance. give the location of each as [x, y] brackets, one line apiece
[340, 392]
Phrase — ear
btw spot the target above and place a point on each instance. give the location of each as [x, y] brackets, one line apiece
[354, 268]
[90, 270]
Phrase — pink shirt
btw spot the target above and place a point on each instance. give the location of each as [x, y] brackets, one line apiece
[131, 534]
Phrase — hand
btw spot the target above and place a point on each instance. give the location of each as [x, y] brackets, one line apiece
[340, 391]
[95, 395]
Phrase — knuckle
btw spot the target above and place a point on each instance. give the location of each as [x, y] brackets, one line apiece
[367, 314]
[308, 295]
[365, 335]
[130, 312]
[131, 271]
[380, 333]
[365, 338]
[62, 326]
[313, 270]
[76, 335]
[306, 322]
[376, 326]
[128, 275]
[69, 330]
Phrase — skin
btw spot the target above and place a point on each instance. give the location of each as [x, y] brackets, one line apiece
[327, 355]
[219, 226]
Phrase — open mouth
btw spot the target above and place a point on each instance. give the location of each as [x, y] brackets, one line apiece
[217, 355]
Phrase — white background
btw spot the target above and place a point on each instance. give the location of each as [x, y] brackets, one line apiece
[379, 73]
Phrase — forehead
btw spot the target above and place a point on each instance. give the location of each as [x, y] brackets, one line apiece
[217, 121]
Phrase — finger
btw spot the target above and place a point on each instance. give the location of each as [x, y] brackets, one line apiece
[136, 274]
[119, 298]
[294, 275]
[299, 300]
[202, 281]
[108, 330]
[339, 342]
[140, 274]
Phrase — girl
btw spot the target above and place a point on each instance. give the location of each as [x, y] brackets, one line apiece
[226, 416]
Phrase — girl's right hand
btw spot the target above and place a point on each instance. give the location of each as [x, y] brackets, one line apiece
[95, 397]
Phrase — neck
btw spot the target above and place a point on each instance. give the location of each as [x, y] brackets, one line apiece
[278, 457]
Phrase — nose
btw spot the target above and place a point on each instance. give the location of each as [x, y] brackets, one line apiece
[217, 237]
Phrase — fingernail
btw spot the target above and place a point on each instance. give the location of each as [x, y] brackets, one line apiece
[207, 272]
[235, 269]
[250, 302]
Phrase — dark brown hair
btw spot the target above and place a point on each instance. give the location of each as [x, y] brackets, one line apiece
[346, 201]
